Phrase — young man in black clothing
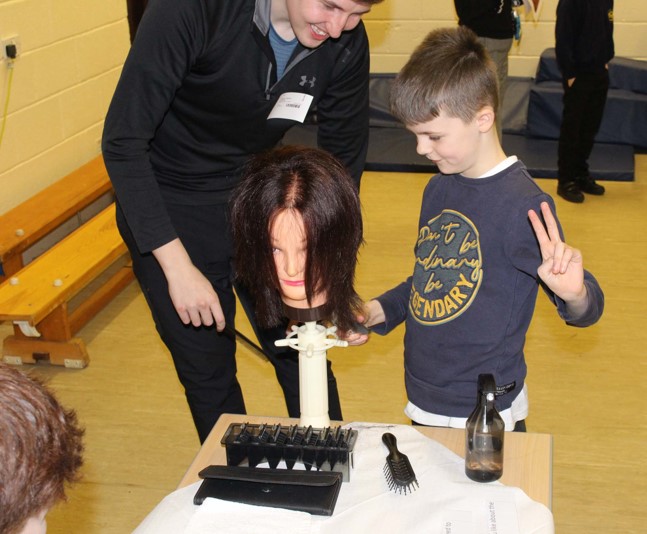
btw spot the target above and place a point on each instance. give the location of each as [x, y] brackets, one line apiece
[584, 46]
[207, 84]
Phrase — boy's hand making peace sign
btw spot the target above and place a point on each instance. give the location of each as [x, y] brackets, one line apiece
[562, 269]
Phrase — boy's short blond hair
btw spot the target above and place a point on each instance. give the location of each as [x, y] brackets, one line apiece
[449, 71]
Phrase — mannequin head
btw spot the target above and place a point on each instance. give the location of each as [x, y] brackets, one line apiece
[40, 450]
[297, 226]
[289, 241]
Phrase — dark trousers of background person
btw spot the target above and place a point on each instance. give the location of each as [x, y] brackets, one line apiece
[499, 49]
[204, 358]
[584, 105]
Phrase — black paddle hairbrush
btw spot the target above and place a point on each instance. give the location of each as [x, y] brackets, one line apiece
[398, 471]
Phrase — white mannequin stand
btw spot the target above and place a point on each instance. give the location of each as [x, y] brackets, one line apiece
[312, 342]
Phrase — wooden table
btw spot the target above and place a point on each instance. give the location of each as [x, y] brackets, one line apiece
[527, 461]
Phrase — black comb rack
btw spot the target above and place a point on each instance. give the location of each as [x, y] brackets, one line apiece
[323, 449]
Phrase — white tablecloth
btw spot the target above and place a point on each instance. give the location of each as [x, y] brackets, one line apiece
[446, 502]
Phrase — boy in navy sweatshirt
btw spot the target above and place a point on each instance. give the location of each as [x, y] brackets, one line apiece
[482, 249]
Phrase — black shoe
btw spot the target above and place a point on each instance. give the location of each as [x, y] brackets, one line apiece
[588, 185]
[570, 191]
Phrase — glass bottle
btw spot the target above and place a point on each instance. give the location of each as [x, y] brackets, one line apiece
[484, 433]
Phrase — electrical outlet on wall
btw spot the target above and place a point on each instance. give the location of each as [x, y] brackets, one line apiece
[6, 41]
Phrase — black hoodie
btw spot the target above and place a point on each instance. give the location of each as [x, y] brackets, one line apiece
[192, 103]
[486, 18]
[583, 36]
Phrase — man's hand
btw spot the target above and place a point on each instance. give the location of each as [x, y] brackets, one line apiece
[193, 296]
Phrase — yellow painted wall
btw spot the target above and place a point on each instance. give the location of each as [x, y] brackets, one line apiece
[72, 51]
[396, 26]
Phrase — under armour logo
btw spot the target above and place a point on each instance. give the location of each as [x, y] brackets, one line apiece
[304, 81]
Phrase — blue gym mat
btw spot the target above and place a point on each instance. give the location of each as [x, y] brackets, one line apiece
[392, 148]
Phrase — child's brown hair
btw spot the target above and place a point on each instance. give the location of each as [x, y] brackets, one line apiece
[450, 71]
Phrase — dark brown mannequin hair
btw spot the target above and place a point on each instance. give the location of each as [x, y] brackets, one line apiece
[315, 184]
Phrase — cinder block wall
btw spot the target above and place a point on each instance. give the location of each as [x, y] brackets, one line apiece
[72, 52]
[395, 27]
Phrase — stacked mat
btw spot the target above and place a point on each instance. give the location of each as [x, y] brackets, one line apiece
[531, 117]
[625, 113]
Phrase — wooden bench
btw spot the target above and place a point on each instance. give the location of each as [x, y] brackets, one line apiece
[89, 266]
[29, 222]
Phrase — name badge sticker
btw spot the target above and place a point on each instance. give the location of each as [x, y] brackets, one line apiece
[291, 106]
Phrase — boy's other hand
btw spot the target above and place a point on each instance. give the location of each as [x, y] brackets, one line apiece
[357, 335]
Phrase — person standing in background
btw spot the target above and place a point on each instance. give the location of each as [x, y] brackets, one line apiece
[583, 46]
[493, 22]
[207, 84]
